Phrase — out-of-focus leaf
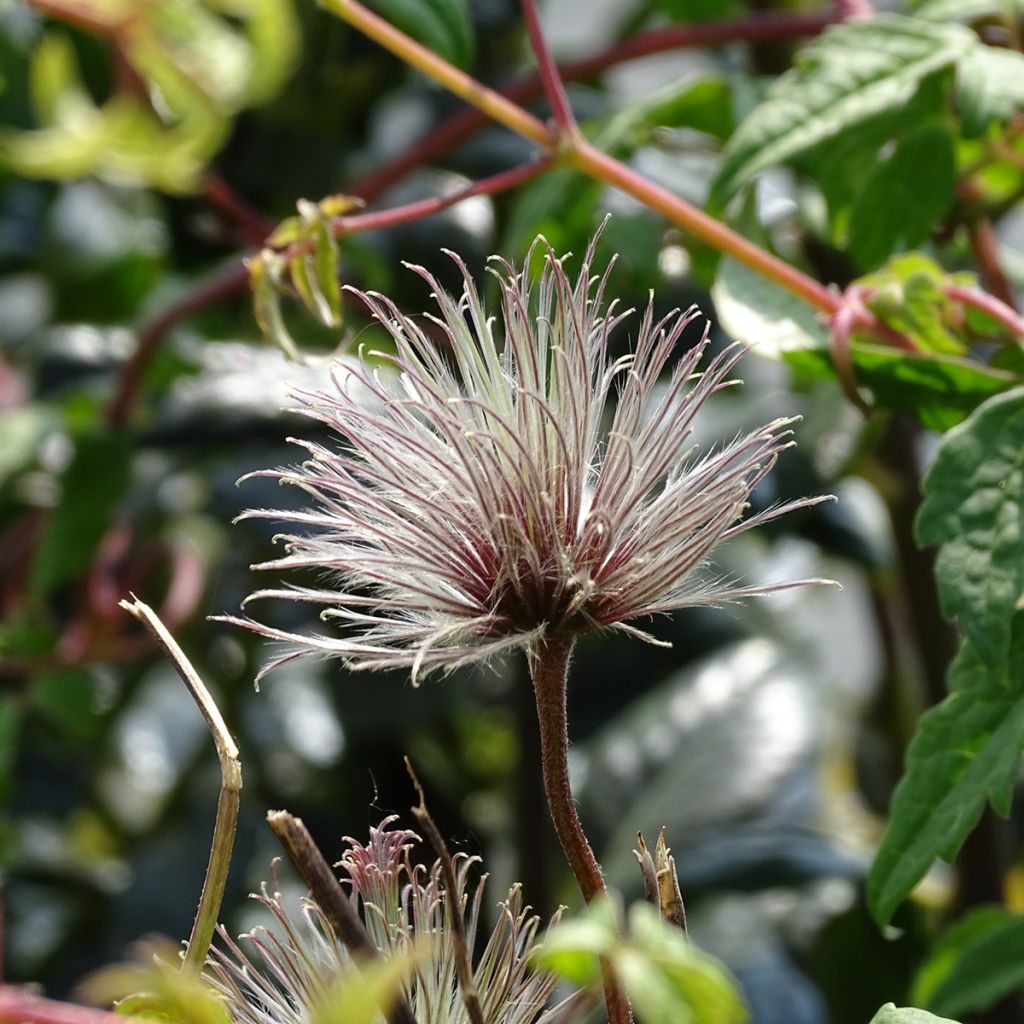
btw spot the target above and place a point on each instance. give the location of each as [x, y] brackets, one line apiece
[669, 980]
[156, 987]
[974, 965]
[892, 1014]
[904, 198]
[965, 10]
[908, 295]
[850, 74]
[989, 87]
[21, 430]
[938, 389]
[966, 751]
[91, 487]
[364, 994]
[974, 508]
[758, 312]
[441, 25]
[11, 710]
[65, 696]
[266, 301]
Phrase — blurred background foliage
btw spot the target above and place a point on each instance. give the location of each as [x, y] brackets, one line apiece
[144, 147]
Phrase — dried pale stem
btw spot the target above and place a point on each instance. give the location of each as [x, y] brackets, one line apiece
[230, 789]
[549, 671]
[456, 924]
[326, 891]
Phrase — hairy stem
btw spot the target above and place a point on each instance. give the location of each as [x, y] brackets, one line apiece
[549, 670]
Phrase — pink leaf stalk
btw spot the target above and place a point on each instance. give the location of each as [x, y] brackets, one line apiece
[521, 487]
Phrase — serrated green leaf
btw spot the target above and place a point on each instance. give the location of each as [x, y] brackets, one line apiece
[989, 87]
[849, 75]
[91, 488]
[892, 1014]
[974, 508]
[904, 197]
[975, 964]
[966, 751]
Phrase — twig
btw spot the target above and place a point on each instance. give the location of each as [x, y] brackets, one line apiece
[231, 787]
[439, 139]
[456, 925]
[20, 1007]
[223, 283]
[986, 250]
[990, 306]
[220, 194]
[326, 891]
[554, 90]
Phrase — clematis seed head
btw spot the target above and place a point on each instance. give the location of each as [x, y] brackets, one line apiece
[514, 481]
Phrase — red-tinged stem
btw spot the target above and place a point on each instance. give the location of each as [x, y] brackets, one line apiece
[220, 194]
[222, 284]
[232, 279]
[549, 671]
[442, 138]
[990, 306]
[986, 251]
[855, 8]
[19, 1007]
[592, 162]
[550, 78]
[492, 103]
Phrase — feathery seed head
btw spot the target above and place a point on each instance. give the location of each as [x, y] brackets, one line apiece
[515, 481]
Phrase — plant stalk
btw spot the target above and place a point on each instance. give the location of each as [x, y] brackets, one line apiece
[549, 671]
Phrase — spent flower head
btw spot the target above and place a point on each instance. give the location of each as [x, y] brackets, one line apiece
[504, 479]
[296, 962]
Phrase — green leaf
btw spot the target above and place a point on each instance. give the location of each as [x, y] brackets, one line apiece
[940, 390]
[975, 964]
[91, 488]
[989, 87]
[757, 311]
[441, 25]
[891, 1014]
[966, 10]
[974, 508]
[966, 752]
[669, 980]
[909, 295]
[904, 197]
[849, 75]
[65, 697]
[264, 278]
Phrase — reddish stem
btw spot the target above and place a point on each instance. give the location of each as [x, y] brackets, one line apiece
[549, 670]
[232, 279]
[466, 123]
[19, 1007]
[990, 306]
[596, 164]
[554, 90]
[222, 284]
[986, 252]
[220, 194]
